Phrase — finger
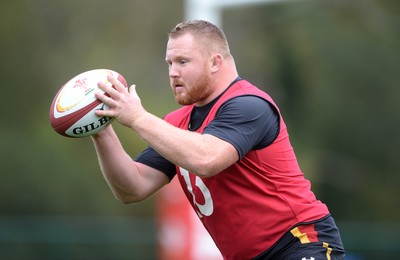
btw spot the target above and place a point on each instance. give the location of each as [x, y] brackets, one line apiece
[104, 85]
[101, 113]
[116, 83]
[106, 108]
[108, 89]
[104, 98]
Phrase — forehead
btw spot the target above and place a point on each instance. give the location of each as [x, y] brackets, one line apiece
[182, 45]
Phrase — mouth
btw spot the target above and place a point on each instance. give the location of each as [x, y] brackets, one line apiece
[178, 86]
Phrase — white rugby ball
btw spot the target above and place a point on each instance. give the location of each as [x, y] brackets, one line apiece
[72, 112]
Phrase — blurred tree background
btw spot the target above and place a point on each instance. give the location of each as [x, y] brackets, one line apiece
[332, 66]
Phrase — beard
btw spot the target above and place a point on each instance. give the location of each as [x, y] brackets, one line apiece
[199, 91]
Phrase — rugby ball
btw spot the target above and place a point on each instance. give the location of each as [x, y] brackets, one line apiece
[72, 112]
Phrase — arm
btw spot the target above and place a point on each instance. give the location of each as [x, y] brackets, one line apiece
[128, 180]
[201, 154]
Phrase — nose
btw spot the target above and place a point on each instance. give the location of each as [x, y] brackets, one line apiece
[173, 71]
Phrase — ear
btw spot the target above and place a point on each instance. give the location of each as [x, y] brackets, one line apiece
[217, 61]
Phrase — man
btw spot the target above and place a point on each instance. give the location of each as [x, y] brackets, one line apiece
[230, 149]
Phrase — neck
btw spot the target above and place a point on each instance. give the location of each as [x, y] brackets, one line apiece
[221, 79]
[219, 87]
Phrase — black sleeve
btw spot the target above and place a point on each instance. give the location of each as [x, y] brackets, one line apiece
[152, 158]
[246, 122]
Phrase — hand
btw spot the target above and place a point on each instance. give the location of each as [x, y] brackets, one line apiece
[124, 103]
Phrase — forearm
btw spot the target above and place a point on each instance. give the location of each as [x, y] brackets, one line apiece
[118, 168]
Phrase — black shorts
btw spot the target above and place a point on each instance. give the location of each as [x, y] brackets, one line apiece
[308, 241]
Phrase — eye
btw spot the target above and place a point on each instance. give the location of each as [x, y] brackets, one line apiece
[183, 61]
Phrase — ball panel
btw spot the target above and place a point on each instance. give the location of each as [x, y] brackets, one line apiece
[78, 92]
[62, 124]
[72, 111]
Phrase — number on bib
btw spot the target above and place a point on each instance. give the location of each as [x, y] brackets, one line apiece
[208, 207]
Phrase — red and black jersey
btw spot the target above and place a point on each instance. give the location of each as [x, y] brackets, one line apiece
[250, 205]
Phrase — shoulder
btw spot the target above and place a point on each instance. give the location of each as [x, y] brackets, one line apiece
[246, 105]
[247, 122]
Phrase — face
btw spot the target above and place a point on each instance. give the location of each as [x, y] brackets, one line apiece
[189, 70]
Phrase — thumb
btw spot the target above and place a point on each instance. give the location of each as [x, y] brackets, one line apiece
[132, 91]
[132, 88]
